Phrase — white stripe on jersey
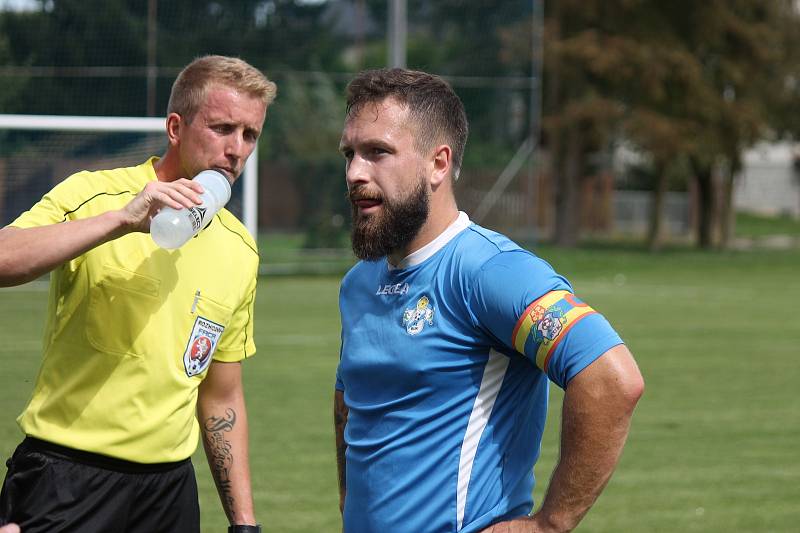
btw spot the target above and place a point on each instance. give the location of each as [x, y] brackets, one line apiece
[493, 376]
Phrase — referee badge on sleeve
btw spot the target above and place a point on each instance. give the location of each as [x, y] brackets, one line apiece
[202, 343]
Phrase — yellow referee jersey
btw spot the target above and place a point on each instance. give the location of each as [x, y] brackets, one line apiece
[132, 328]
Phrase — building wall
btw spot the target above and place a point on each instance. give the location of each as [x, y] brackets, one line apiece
[769, 183]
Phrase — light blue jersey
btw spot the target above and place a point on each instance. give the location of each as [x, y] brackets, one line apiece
[444, 366]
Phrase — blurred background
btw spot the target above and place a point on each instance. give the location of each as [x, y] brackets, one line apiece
[647, 149]
[653, 121]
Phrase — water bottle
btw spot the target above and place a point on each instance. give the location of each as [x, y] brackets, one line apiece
[171, 228]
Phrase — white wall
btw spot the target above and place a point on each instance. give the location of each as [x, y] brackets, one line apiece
[768, 183]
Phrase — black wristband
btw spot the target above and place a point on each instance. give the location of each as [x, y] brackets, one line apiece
[239, 528]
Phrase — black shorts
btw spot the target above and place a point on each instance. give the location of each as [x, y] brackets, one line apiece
[49, 488]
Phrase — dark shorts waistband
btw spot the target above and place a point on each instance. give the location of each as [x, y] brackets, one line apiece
[96, 460]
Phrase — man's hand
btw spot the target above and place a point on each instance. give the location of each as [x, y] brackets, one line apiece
[527, 524]
[157, 194]
[9, 528]
[27, 253]
[518, 525]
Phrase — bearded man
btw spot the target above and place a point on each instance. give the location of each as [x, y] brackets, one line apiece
[441, 390]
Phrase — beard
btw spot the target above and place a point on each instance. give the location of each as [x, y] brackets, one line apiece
[393, 228]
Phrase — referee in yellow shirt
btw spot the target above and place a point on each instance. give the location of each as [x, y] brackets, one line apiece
[142, 345]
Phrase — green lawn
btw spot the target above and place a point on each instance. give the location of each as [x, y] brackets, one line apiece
[756, 226]
[715, 440]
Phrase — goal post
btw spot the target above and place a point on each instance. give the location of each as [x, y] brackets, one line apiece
[100, 124]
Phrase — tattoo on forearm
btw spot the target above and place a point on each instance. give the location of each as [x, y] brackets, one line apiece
[220, 456]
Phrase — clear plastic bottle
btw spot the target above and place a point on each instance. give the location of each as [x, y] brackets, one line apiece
[171, 228]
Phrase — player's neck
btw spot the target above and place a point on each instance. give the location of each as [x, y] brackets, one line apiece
[438, 221]
[168, 167]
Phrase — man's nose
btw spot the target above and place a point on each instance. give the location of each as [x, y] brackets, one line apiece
[237, 147]
[357, 172]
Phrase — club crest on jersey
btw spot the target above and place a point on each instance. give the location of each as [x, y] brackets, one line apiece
[548, 323]
[202, 343]
[415, 319]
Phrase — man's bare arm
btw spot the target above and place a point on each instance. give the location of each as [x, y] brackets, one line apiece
[28, 253]
[340, 412]
[598, 405]
[223, 421]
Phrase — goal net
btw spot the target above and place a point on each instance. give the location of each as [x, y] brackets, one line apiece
[38, 151]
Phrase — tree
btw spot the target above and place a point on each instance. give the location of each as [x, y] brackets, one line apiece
[682, 80]
[580, 111]
[738, 48]
[11, 90]
[304, 134]
[96, 49]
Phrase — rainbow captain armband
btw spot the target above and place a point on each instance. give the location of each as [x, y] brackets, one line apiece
[546, 321]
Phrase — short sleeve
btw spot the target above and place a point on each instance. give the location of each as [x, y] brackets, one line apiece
[532, 310]
[237, 341]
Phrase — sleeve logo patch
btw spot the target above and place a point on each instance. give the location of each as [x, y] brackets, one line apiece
[415, 319]
[547, 321]
[202, 343]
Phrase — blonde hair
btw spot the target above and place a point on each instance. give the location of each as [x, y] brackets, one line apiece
[189, 89]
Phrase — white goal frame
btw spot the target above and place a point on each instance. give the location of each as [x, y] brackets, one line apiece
[137, 124]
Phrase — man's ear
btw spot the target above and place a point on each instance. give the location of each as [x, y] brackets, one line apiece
[174, 125]
[442, 165]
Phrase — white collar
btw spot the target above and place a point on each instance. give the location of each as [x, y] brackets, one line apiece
[419, 256]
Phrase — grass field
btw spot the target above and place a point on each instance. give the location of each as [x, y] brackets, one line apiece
[715, 444]
[754, 226]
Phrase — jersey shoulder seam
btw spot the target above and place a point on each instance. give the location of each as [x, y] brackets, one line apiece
[237, 233]
[70, 211]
